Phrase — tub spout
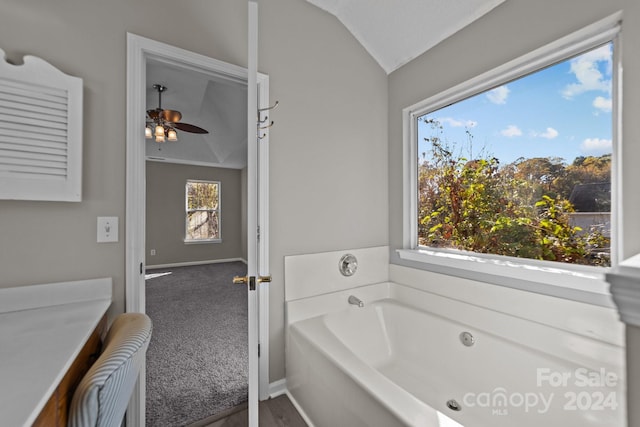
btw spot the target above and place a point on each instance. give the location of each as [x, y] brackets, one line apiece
[355, 301]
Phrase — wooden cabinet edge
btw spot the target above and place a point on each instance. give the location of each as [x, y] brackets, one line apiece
[56, 411]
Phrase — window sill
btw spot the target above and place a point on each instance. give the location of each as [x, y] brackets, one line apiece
[201, 242]
[579, 283]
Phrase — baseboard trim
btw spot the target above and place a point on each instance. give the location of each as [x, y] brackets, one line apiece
[191, 263]
[277, 388]
[299, 409]
[217, 417]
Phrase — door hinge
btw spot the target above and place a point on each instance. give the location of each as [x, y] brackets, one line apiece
[258, 234]
[258, 350]
[141, 268]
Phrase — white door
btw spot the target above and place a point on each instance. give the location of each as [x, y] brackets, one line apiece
[258, 124]
[257, 275]
[252, 214]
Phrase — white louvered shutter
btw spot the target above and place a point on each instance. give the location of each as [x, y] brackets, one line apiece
[40, 132]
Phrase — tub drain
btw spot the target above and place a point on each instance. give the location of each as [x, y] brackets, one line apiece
[453, 405]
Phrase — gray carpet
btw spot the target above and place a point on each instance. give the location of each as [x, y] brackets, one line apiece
[197, 357]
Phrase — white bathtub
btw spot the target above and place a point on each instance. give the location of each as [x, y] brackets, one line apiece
[400, 359]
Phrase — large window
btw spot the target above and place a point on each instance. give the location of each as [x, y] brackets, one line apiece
[523, 169]
[202, 211]
[517, 167]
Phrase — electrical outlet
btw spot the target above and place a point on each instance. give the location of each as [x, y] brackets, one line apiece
[107, 229]
[153, 252]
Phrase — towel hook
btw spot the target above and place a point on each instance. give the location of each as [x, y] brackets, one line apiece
[267, 126]
[261, 122]
[269, 108]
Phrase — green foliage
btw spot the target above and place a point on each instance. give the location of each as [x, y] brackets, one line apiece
[516, 210]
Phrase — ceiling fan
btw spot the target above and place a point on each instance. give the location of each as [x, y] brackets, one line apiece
[165, 122]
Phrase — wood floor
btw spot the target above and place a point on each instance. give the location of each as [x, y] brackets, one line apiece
[276, 412]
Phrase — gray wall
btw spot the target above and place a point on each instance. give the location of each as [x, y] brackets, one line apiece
[328, 153]
[165, 212]
[328, 158]
[509, 31]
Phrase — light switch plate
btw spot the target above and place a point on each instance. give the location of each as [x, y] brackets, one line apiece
[107, 229]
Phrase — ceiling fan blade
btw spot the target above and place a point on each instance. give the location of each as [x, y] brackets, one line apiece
[171, 115]
[186, 127]
[171, 118]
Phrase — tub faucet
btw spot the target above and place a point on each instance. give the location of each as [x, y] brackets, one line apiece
[355, 301]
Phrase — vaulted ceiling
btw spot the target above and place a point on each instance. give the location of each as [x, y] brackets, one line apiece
[396, 31]
[207, 101]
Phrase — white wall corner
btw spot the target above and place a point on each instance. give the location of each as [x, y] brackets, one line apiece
[625, 289]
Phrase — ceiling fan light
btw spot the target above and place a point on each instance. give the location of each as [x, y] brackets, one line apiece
[159, 132]
[160, 138]
[172, 135]
[148, 133]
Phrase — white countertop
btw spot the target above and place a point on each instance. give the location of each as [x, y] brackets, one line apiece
[39, 342]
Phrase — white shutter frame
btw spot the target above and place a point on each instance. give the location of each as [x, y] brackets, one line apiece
[40, 132]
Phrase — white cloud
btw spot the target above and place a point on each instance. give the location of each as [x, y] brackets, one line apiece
[498, 95]
[589, 77]
[457, 123]
[603, 104]
[550, 133]
[511, 131]
[596, 144]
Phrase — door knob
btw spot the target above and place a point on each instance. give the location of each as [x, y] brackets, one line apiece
[240, 280]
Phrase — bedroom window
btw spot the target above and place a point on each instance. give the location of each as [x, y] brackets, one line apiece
[202, 211]
[514, 168]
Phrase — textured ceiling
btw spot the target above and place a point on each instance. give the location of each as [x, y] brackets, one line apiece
[396, 31]
[210, 102]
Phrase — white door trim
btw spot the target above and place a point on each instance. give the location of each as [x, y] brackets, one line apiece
[139, 50]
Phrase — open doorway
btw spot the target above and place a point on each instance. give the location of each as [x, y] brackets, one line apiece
[140, 51]
[196, 242]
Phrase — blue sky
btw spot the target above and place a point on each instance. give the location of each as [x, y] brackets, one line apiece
[561, 111]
